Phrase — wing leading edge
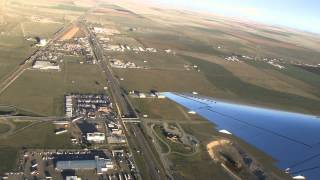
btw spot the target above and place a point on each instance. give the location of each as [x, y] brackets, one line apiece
[292, 139]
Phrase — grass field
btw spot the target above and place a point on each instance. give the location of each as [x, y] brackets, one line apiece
[158, 109]
[73, 59]
[42, 30]
[43, 92]
[179, 41]
[308, 77]
[7, 110]
[40, 136]
[8, 156]
[20, 124]
[311, 79]
[9, 61]
[4, 128]
[164, 109]
[17, 111]
[165, 80]
[249, 93]
[199, 166]
[164, 147]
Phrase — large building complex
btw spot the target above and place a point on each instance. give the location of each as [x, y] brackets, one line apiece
[99, 164]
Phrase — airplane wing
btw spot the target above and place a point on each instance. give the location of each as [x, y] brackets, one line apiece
[292, 139]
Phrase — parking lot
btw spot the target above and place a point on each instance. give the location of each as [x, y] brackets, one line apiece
[39, 164]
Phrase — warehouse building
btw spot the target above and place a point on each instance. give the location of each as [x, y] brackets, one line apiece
[96, 137]
[45, 65]
[101, 165]
[68, 108]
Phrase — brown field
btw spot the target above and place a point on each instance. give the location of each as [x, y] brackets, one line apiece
[70, 33]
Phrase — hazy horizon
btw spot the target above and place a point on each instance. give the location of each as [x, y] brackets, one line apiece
[295, 14]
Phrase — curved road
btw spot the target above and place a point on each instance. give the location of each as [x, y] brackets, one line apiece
[10, 131]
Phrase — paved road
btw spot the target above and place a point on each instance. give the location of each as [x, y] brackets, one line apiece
[126, 109]
[153, 166]
[136, 137]
[49, 118]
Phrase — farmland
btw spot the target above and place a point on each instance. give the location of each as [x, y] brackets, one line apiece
[44, 91]
[40, 136]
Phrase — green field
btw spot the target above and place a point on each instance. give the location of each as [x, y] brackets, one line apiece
[73, 59]
[39, 136]
[42, 30]
[43, 92]
[13, 51]
[199, 166]
[164, 147]
[158, 109]
[21, 124]
[305, 76]
[295, 72]
[7, 110]
[17, 111]
[249, 93]
[8, 156]
[165, 80]
[4, 128]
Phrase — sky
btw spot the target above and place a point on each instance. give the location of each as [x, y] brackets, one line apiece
[298, 14]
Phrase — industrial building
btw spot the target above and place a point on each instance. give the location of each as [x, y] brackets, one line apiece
[41, 42]
[101, 165]
[73, 178]
[45, 65]
[116, 139]
[96, 137]
[69, 108]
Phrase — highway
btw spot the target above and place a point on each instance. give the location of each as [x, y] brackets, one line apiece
[126, 109]
[137, 139]
[153, 167]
